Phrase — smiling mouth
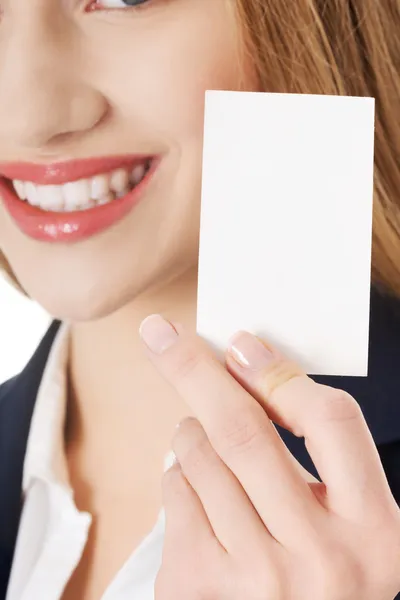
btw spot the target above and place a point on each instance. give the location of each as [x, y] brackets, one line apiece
[82, 194]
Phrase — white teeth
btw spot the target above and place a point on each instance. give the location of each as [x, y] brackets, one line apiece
[82, 194]
[119, 181]
[19, 187]
[100, 186]
[50, 197]
[137, 174]
[32, 195]
[105, 199]
[89, 204]
[76, 194]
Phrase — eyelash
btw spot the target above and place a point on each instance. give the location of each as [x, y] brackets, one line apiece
[95, 5]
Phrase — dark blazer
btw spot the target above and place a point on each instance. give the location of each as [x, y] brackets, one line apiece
[378, 394]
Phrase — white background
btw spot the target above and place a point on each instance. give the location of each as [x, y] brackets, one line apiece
[22, 325]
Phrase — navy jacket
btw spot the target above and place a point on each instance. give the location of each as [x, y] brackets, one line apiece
[378, 394]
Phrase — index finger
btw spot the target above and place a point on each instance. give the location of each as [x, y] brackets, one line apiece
[240, 432]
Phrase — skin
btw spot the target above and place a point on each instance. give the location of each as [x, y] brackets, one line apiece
[141, 92]
[242, 521]
[92, 101]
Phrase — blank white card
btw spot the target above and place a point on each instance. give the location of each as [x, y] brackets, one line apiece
[286, 225]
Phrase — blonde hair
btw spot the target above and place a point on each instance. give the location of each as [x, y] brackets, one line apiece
[345, 47]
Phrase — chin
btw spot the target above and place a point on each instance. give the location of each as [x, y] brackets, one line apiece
[98, 292]
[83, 296]
[96, 278]
[80, 303]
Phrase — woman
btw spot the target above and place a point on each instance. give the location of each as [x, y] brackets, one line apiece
[101, 97]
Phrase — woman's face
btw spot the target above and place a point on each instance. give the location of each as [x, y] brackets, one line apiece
[111, 78]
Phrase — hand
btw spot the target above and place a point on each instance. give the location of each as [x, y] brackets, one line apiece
[244, 521]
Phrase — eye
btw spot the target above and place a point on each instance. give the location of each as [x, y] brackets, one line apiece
[109, 4]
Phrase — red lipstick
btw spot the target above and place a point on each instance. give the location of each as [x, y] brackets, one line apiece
[66, 227]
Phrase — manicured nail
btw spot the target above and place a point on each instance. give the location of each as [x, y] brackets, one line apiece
[249, 351]
[157, 333]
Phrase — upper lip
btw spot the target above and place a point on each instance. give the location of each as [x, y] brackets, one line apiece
[58, 173]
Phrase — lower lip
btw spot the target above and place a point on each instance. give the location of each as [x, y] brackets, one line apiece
[71, 226]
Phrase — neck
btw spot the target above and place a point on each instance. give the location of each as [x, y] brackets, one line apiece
[116, 397]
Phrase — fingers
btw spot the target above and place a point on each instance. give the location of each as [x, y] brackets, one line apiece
[336, 434]
[239, 431]
[228, 508]
[193, 560]
[186, 523]
[190, 546]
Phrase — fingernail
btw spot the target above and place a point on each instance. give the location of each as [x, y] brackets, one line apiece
[249, 351]
[157, 333]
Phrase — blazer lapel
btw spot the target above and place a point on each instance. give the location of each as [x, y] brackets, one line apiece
[17, 401]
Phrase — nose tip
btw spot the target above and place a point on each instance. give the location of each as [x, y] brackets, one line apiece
[48, 100]
[52, 119]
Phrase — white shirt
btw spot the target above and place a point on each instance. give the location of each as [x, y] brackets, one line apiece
[53, 532]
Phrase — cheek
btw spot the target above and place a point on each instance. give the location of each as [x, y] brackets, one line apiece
[163, 94]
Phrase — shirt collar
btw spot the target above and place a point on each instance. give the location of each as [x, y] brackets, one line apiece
[45, 454]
